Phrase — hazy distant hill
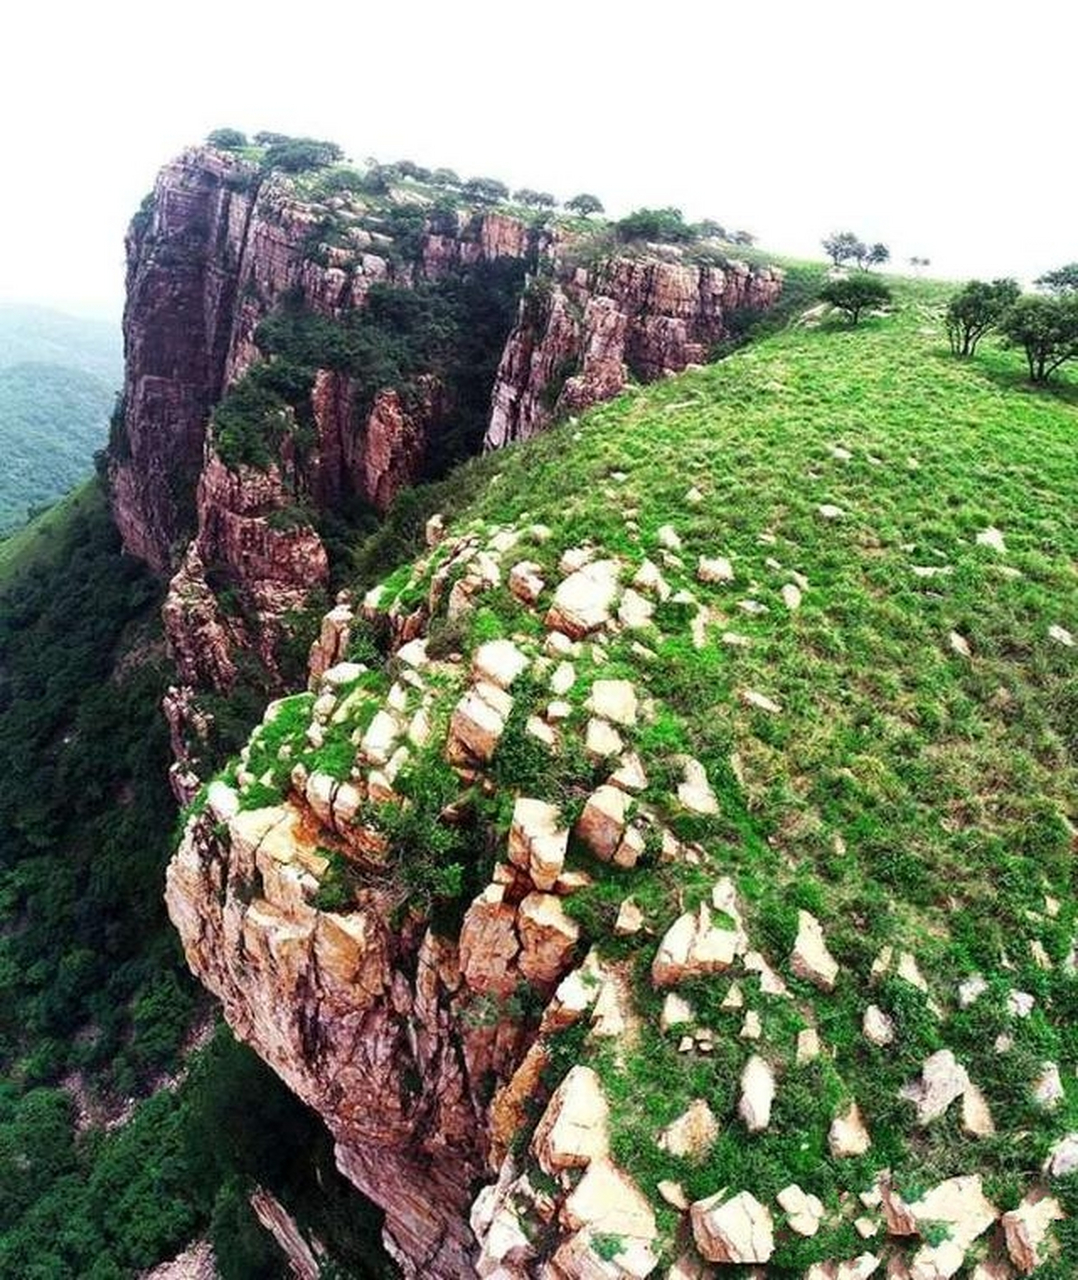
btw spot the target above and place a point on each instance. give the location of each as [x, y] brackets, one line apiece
[58, 376]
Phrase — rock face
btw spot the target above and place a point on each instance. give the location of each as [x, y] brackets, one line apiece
[580, 337]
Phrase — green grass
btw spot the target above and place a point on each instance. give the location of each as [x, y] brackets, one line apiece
[905, 794]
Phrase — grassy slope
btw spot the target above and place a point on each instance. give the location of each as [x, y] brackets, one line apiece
[905, 794]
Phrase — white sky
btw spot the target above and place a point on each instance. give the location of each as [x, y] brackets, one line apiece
[943, 128]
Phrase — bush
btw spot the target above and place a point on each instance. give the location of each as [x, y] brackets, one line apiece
[295, 155]
[665, 225]
[227, 139]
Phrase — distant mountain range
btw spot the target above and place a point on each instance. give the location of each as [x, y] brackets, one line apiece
[58, 376]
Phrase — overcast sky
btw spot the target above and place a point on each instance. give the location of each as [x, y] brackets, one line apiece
[943, 128]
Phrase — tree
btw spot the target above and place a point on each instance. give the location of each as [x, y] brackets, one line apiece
[878, 255]
[534, 199]
[226, 139]
[975, 309]
[709, 229]
[585, 204]
[855, 294]
[1063, 280]
[665, 225]
[485, 190]
[920, 262]
[1046, 329]
[744, 238]
[445, 178]
[294, 155]
[843, 246]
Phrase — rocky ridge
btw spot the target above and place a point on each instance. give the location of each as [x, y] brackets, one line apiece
[492, 1050]
[221, 246]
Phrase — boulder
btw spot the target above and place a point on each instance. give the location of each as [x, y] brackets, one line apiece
[526, 581]
[810, 958]
[630, 919]
[737, 1230]
[602, 822]
[602, 740]
[1026, 1229]
[538, 841]
[848, 1135]
[757, 1094]
[878, 1028]
[693, 1133]
[610, 1203]
[583, 600]
[489, 945]
[573, 1130]
[717, 570]
[695, 792]
[478, 722]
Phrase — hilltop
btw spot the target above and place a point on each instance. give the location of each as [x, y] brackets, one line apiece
[691, 824]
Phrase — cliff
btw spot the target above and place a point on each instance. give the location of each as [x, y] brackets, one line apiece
[227, 494]
[625, 916]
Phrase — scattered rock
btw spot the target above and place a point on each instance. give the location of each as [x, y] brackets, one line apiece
[738, 1230]
[878, 1028]
[791, 596]
[629, 775]
[757, 1094]
[695, 792]
[694, 946]
[810, 958]
[760, 702]
[673, 1193]
[602, 823]
[649, 578]
[976, 1115]
[960, 645]
[583, 600]
[538, 841]
[1026, 1229]
[993, 538]
[830, 512]
[1020, 1003]
[667, 538]
[848, 1135]
[1048, 1088]
[602, 740]
[693, 1133]
[676, 1012]
[1063, 1157]
[694, 497]
[614, 700]
[971, 989]
[526, 581]
[498, 661]
[750, 1027]
[478, 722]
[942, 1080]
[573, 1129]
[635, 611]
[715, 570]
[1061, 635]
[804, 1212]
[610, 1203]
[630, 919]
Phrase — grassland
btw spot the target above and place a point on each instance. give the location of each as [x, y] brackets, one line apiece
[914, 789]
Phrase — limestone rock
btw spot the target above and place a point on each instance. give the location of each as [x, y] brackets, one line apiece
[538, 841]
[602, 740]
[738, 1230]
[573, 1130]
[614, 700]
[489, 944]
[713, 571]
[583, 600]
[1048, 1088]
[693, 1133]
[757, 1094]
[942, 1080]
[808, 1046]
[526, 581]
[804, 1211]
[548, 938]
[993, 538]
[668, 538]
[695, 792]
[630, 919]
[635, 611]
[676, 1011]
[610, 1203]
[791, 596]
[602, 822]
[877, 1027]
[810, 958]
[1027, 1228]
[760, 701]
[1063, 1157]
[478, 722]
[694, 946]
[848, 1135]
[499, 662]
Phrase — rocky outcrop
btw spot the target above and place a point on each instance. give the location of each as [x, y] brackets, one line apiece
[582, 334]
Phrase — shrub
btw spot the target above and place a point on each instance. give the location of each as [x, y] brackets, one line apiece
[665, 225]
[227, 139]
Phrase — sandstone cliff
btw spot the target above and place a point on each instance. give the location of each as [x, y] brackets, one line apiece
[222, 246]
[472, 1068]
[583, 333]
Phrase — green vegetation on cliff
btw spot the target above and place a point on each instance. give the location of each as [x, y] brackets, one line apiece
[883, 700]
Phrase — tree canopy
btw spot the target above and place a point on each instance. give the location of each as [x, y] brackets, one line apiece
[1047, 331]
[585, 204]
[856, 294]
[974, 310]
